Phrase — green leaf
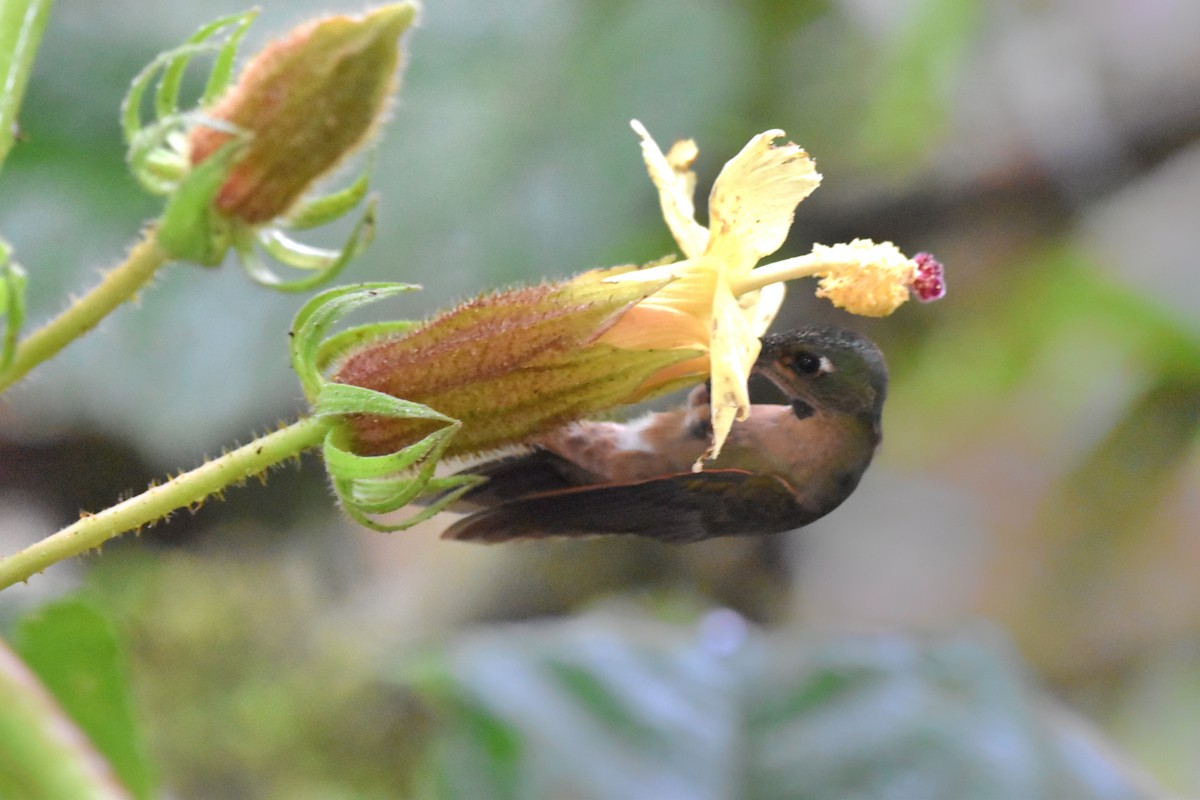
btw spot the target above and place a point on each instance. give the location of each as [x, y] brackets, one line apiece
[21, 25]
[1125, 477]
[606, 707]
[909, 106]
[74, 651]
[1057, 294]
[1097, 515]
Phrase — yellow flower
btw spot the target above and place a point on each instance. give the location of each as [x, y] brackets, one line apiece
[514, 365]
[716, 301]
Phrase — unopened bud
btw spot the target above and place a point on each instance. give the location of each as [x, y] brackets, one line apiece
[510, 366]
[305, 102]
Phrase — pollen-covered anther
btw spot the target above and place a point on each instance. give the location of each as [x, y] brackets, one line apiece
[864, 277]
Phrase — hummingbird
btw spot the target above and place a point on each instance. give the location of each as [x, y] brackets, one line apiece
[783, 467]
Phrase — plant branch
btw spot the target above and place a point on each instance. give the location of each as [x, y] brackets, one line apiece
[118, 285]
[159, 501]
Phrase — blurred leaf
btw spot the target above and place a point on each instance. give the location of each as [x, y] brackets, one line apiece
[43, 756]
[601, 707]
[250, 689]
[1125, 476]
[1097, 526]
[21, 26]
[1000, 332]
[910, 105]
[74, 651]
[1155, 713]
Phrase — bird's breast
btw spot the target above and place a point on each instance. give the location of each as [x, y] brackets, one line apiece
[647, 447]
[821, 456]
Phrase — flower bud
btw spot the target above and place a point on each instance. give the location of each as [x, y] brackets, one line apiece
[306, 101]
[509, 366]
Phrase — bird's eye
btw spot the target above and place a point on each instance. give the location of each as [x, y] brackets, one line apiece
[806, 363]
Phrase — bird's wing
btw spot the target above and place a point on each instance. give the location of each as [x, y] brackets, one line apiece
[681, 507]
[515, 476]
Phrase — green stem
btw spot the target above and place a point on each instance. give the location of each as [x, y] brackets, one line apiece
[157, 502]
[118, 285]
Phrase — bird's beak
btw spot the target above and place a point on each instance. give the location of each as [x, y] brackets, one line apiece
[769, 366]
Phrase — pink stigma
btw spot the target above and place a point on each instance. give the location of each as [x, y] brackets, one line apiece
[930, 281]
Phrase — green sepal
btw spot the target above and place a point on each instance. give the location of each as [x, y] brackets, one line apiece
[157, 166]
[328, 207]
[380, 484]
[153, 162]
[447, 489]
[221, 73]
[191, 228]
[325, 264]
[12, 303]
[172, 63]
[335, 399]
[373, 485]
[318, 315]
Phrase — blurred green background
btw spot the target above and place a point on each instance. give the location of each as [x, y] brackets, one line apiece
[1031, 528]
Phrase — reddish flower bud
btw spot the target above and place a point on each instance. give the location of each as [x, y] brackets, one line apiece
[306, 101]
[509, 365]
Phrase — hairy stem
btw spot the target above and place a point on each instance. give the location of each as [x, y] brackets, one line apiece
[158, 501]
[119, 285]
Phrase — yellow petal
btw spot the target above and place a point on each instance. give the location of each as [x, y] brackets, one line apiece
[733, 348]
[762, 306]
[628, 272]
[676, 183]
[689, 291]
[652, 326]
[754, 200]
